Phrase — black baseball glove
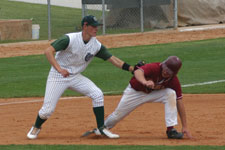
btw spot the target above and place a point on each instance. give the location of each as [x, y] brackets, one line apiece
[139, 64]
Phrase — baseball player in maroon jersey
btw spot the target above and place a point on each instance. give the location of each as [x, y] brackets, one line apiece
[157, 83]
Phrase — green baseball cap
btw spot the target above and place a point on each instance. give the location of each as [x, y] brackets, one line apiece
[91, 20]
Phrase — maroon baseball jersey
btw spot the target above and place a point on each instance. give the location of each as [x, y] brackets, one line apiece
[153, 71]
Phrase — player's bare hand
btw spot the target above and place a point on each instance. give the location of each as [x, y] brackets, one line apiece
[64, 73]
[188, 134]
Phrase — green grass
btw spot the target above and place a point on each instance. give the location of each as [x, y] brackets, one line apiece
[107, 147]
[63, 20]
[203, 61]
[19, 75]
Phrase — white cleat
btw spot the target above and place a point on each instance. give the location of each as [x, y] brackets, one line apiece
[107, 133]
[96, 131]
[33, 133]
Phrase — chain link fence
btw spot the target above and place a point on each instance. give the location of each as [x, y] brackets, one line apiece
[125, 16]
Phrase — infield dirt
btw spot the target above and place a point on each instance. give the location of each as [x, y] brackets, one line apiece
[121, 40]
[144, 126]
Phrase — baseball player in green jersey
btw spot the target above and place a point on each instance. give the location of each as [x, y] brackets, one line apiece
[69, 56]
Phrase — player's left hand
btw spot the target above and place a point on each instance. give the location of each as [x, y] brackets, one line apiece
[188, 134]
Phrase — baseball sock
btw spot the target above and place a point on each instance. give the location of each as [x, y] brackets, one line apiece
[39, 122]
[99, 114]
[169, 128]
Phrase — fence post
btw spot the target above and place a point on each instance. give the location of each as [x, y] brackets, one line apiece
[103, 17]
[175, 14]
[49, 19]
[84, 10]
[141, 15]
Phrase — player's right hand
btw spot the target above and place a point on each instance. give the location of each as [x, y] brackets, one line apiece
[149, 84]
[64, 73]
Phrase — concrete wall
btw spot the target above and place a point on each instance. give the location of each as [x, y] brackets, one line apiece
[15, 29]
[64, 3]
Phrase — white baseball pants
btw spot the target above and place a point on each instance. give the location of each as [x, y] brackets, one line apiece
[57, 84]
[131, 99]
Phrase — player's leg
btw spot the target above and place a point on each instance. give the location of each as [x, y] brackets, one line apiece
[170, 107]
[168, 98]
[130, 100]
[52, 94]
[86, 87]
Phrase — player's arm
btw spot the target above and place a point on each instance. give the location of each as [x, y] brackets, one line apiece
[106, 55]
[60, 44]
[175, 85]
[120, 64]
[182, 114]
[139, 75]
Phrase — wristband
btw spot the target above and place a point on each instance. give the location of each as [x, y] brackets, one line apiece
[126, 66]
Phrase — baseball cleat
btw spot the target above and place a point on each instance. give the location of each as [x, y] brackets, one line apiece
[88, 133]
[173, 134]
[97, 132]
[102, 131]
[106, 132]
[33, 133]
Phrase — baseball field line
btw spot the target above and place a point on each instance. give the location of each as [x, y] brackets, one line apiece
[40, 100]
[70, 98]
[204, 83]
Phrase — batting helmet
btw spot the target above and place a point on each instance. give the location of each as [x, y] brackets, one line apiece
[173, 63]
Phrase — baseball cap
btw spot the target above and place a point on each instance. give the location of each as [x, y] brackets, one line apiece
[91, 20]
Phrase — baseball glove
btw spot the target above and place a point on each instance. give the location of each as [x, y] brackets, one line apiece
[139, 64]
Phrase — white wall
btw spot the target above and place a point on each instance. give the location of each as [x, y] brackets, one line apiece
[65, 3]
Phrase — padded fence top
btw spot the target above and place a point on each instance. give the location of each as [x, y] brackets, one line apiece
[128, 3]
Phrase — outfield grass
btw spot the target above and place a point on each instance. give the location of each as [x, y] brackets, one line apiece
[63, 20]
[203, 61]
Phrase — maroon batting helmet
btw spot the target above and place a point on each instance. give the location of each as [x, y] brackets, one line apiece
[173, 63]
